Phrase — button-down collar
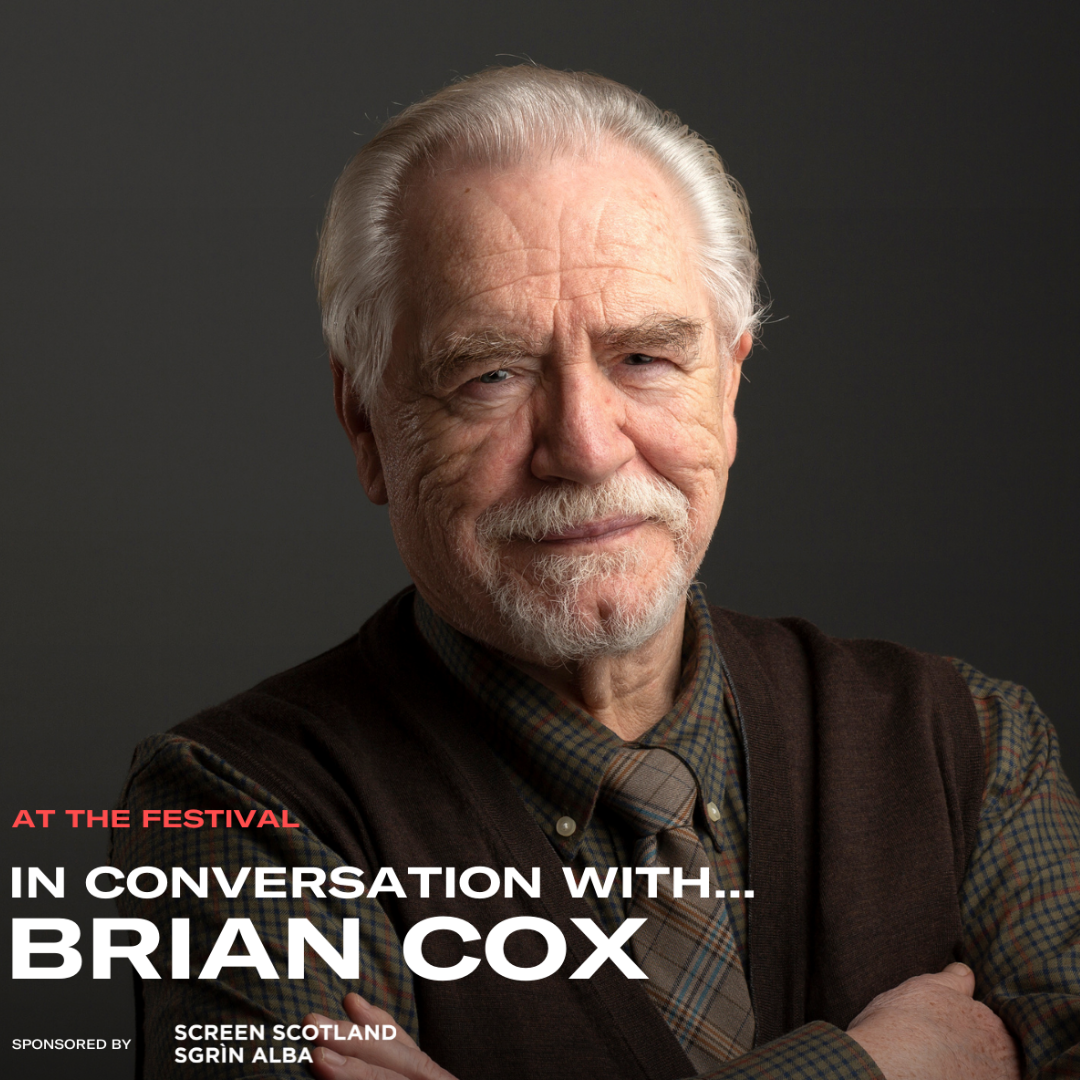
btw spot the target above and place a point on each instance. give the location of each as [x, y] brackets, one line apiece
[558, 752]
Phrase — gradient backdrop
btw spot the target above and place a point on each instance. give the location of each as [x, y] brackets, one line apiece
[180, 515]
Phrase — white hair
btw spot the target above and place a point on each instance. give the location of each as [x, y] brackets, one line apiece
[497, 118]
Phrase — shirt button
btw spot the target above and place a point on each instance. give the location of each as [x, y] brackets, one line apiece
[713, 811]
[566, 826]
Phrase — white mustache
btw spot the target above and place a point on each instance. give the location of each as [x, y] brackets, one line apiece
[571, 506]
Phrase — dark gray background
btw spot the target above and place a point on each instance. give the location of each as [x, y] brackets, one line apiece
[181, 516]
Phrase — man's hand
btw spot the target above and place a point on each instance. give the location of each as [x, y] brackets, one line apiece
[357, 1059]
[930, 1028]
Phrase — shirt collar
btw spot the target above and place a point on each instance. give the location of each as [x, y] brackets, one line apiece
[559, 752]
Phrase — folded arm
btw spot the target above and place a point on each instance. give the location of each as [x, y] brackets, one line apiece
[170, 773]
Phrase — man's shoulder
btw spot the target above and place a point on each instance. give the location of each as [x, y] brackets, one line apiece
[338, 682]
[985, 721]
[1006, 712]
[291, 729]
[313, 738]
[1020, 745]
[313, 688]
[793, 651]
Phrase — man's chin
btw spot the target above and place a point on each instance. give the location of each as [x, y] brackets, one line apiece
[568, 613]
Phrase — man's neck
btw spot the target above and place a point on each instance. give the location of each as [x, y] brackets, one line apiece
[629, 693]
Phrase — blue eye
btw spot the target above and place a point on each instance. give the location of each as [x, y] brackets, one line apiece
[638, 359]
[501, 375]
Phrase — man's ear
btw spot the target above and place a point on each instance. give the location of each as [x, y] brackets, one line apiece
[731, 389]
[738, 354]
[354, 419]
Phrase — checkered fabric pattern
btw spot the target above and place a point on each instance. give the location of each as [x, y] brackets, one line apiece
[556, 755]
[686, 946]
[171, 773]
[1020, 900]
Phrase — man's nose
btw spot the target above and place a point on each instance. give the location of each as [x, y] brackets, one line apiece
[579, 430]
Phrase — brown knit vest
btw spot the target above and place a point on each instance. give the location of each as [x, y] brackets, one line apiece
[865, 775]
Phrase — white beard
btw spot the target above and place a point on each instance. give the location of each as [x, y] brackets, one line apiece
[543, 610]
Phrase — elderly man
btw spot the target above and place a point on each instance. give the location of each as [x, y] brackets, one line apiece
[833, 858]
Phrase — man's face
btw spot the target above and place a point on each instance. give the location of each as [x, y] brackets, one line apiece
[555, 427]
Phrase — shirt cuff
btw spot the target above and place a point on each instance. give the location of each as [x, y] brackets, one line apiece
[816, 1051]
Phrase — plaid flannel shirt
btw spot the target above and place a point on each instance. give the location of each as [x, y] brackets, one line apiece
[1020, 901]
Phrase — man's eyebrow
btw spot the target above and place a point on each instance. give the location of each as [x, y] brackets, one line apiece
[480, 348]
[462, 351]
[663, 332]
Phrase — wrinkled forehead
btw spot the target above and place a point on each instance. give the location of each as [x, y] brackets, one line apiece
[482, 235]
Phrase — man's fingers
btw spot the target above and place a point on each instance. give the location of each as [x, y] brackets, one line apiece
[931, 1026]
[327, 1064]
[344, 1059]
[960, 978]
[382, 1059]
[334, 1035]
[361, 1011]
